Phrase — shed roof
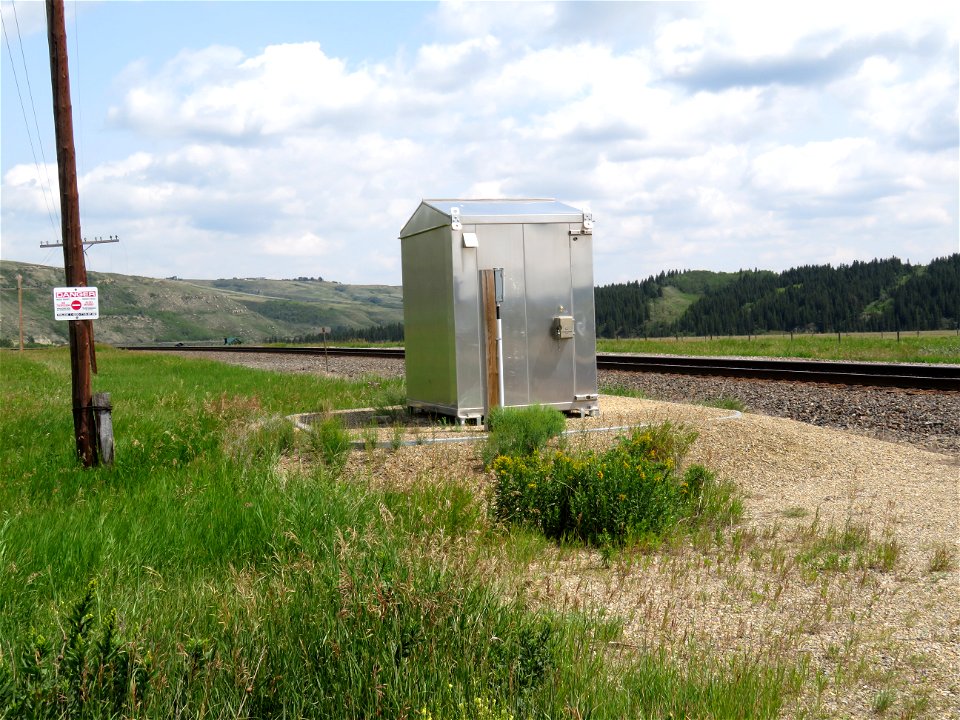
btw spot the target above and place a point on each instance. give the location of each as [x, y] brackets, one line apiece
[437, 212]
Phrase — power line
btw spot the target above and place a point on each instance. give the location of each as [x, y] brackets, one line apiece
[86, 243]
[33, 105]
[76, 47]
[26, 122]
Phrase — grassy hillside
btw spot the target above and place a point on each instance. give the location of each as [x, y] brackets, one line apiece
[140, 309]
[653, 307]
[670, 306]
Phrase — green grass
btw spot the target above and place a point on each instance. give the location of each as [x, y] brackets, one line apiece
[928, 347]
[725, 402]
[520, 431]
[674, 302]
[621, 391]
[196, 578]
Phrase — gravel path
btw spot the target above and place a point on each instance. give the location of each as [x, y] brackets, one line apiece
[928, 420]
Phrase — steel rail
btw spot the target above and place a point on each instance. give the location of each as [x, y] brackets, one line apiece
[312, 350]
[919, 377]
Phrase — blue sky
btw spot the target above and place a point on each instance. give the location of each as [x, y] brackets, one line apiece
[278, 139]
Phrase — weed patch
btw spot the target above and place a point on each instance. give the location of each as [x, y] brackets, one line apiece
[89, 671]
[943, 558]
[841, 548]
[631, 493]
[331, 441]
[520, 431]
[725, 402]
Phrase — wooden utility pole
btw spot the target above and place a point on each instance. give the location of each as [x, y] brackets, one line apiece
[81, 331]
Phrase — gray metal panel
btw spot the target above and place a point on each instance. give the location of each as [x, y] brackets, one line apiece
[581, 274]
[507, 211]
[428, 311]
[546, 251]
[502, 246]
[469, 338]
[425, 218]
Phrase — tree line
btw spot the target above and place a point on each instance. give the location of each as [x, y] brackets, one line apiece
[390, 332]
[879, 295]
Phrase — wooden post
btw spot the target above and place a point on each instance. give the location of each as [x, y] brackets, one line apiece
[81, 335]
[326, 356]
[103, 420]
[488, 299]
[20, 306]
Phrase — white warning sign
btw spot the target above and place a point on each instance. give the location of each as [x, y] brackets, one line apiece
[76, 303]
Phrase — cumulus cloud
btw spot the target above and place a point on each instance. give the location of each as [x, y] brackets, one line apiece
[716, 136]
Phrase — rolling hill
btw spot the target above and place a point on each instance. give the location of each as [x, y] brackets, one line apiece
[137, 309]
[876, 295]
[863, 296]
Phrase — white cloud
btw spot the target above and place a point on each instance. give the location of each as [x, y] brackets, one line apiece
[308, 245]
[815, 169]
[285, 88]
[726, 136]
[511, 19]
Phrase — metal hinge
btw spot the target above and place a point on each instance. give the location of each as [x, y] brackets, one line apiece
[587, 227]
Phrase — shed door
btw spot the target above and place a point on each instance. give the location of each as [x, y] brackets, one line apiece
[548, 283]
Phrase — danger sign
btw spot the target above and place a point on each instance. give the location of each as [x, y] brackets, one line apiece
[76, 303]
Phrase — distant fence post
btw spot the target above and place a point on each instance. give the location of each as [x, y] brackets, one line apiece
[326, 355]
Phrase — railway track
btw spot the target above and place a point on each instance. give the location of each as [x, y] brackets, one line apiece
[386, 352]
[920, 377]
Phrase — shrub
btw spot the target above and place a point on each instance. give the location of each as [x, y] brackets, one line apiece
[628, 492]
[521, 431]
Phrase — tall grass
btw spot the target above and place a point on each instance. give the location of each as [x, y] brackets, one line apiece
[520, 431]
[198, 578]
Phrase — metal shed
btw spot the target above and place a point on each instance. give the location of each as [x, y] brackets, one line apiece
[527, 263]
